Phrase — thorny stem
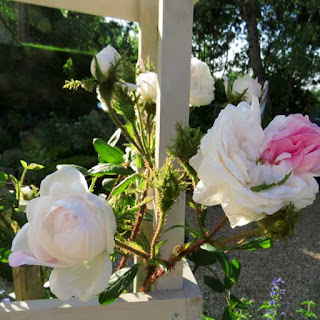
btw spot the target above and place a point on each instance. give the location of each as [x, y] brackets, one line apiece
[239, 236]
[143, 255]
[158, 232]
[119, 178]
[174, 259]
[134, 232]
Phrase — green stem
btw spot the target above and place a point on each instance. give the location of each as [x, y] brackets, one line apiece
[118, 123]
[157, 233]
[18, 187]
[93, 182]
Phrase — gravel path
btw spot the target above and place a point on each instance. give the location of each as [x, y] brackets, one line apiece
[296, 261]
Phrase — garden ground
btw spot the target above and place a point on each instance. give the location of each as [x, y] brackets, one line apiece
[296, 261]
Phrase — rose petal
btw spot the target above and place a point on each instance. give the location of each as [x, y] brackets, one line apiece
[65, 181]
[83, 281]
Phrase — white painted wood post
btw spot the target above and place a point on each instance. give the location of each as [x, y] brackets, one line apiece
[148, 30]
[174, 54]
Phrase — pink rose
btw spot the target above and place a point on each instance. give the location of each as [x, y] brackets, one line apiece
[293, 140]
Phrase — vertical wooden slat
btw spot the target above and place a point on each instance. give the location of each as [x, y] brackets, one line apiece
[27, 282]
[174, 53]
[148, 30]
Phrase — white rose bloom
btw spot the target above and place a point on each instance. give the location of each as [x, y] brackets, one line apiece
[201, 84]
[252, 86]
[26, 193]
[147, 86]
[70, 230]
[106, 58]
[227, 167]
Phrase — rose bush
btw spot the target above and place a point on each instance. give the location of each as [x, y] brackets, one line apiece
[107, 57]
[70, 230]
[201, 84]
[228, 166]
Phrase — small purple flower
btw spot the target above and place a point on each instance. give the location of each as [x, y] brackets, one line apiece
[5, 300]
[2, 291]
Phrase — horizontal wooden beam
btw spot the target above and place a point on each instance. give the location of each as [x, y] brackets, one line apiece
[185, 304]
[121, 9]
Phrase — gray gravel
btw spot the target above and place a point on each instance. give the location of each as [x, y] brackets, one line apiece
[296, 261]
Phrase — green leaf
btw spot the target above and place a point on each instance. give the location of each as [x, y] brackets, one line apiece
[255, 244]
[35, 166]
[119, 281]
[214, 284]
[265, 186]
[229, 314]
[124, 184]
[107, 153]
[237, 303]
[204, 256]
[115, 138]
[233, 275]
[3, 178]
[24, 164]
[159, 245]
[108, 183]
[14, 180]
[109, 169]
[83, 170]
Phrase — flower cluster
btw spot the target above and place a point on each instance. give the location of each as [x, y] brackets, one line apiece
[252, 172]
[275, 307]
[201, 81]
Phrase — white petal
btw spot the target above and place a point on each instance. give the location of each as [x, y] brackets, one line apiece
[83, 281]
[65, 181]
[21, 252]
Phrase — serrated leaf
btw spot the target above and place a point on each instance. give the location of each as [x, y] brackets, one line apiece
[107, 153]
[108, 183]
[255, 244]
[119, 281]
[83, 170]
[109, 169]
[214, 284]
[124, 184]
[3, 178]
[266, 186]
[115, 138]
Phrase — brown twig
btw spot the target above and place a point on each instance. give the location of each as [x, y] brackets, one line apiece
[174, 259]
[134, 232]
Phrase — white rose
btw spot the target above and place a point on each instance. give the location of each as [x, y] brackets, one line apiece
[106, 58]
[201, 84]
[26, 193]
[70, 230]
[227, 166]
[147, 86]
[252, 86]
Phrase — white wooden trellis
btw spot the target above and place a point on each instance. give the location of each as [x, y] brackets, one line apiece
[165, 33]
